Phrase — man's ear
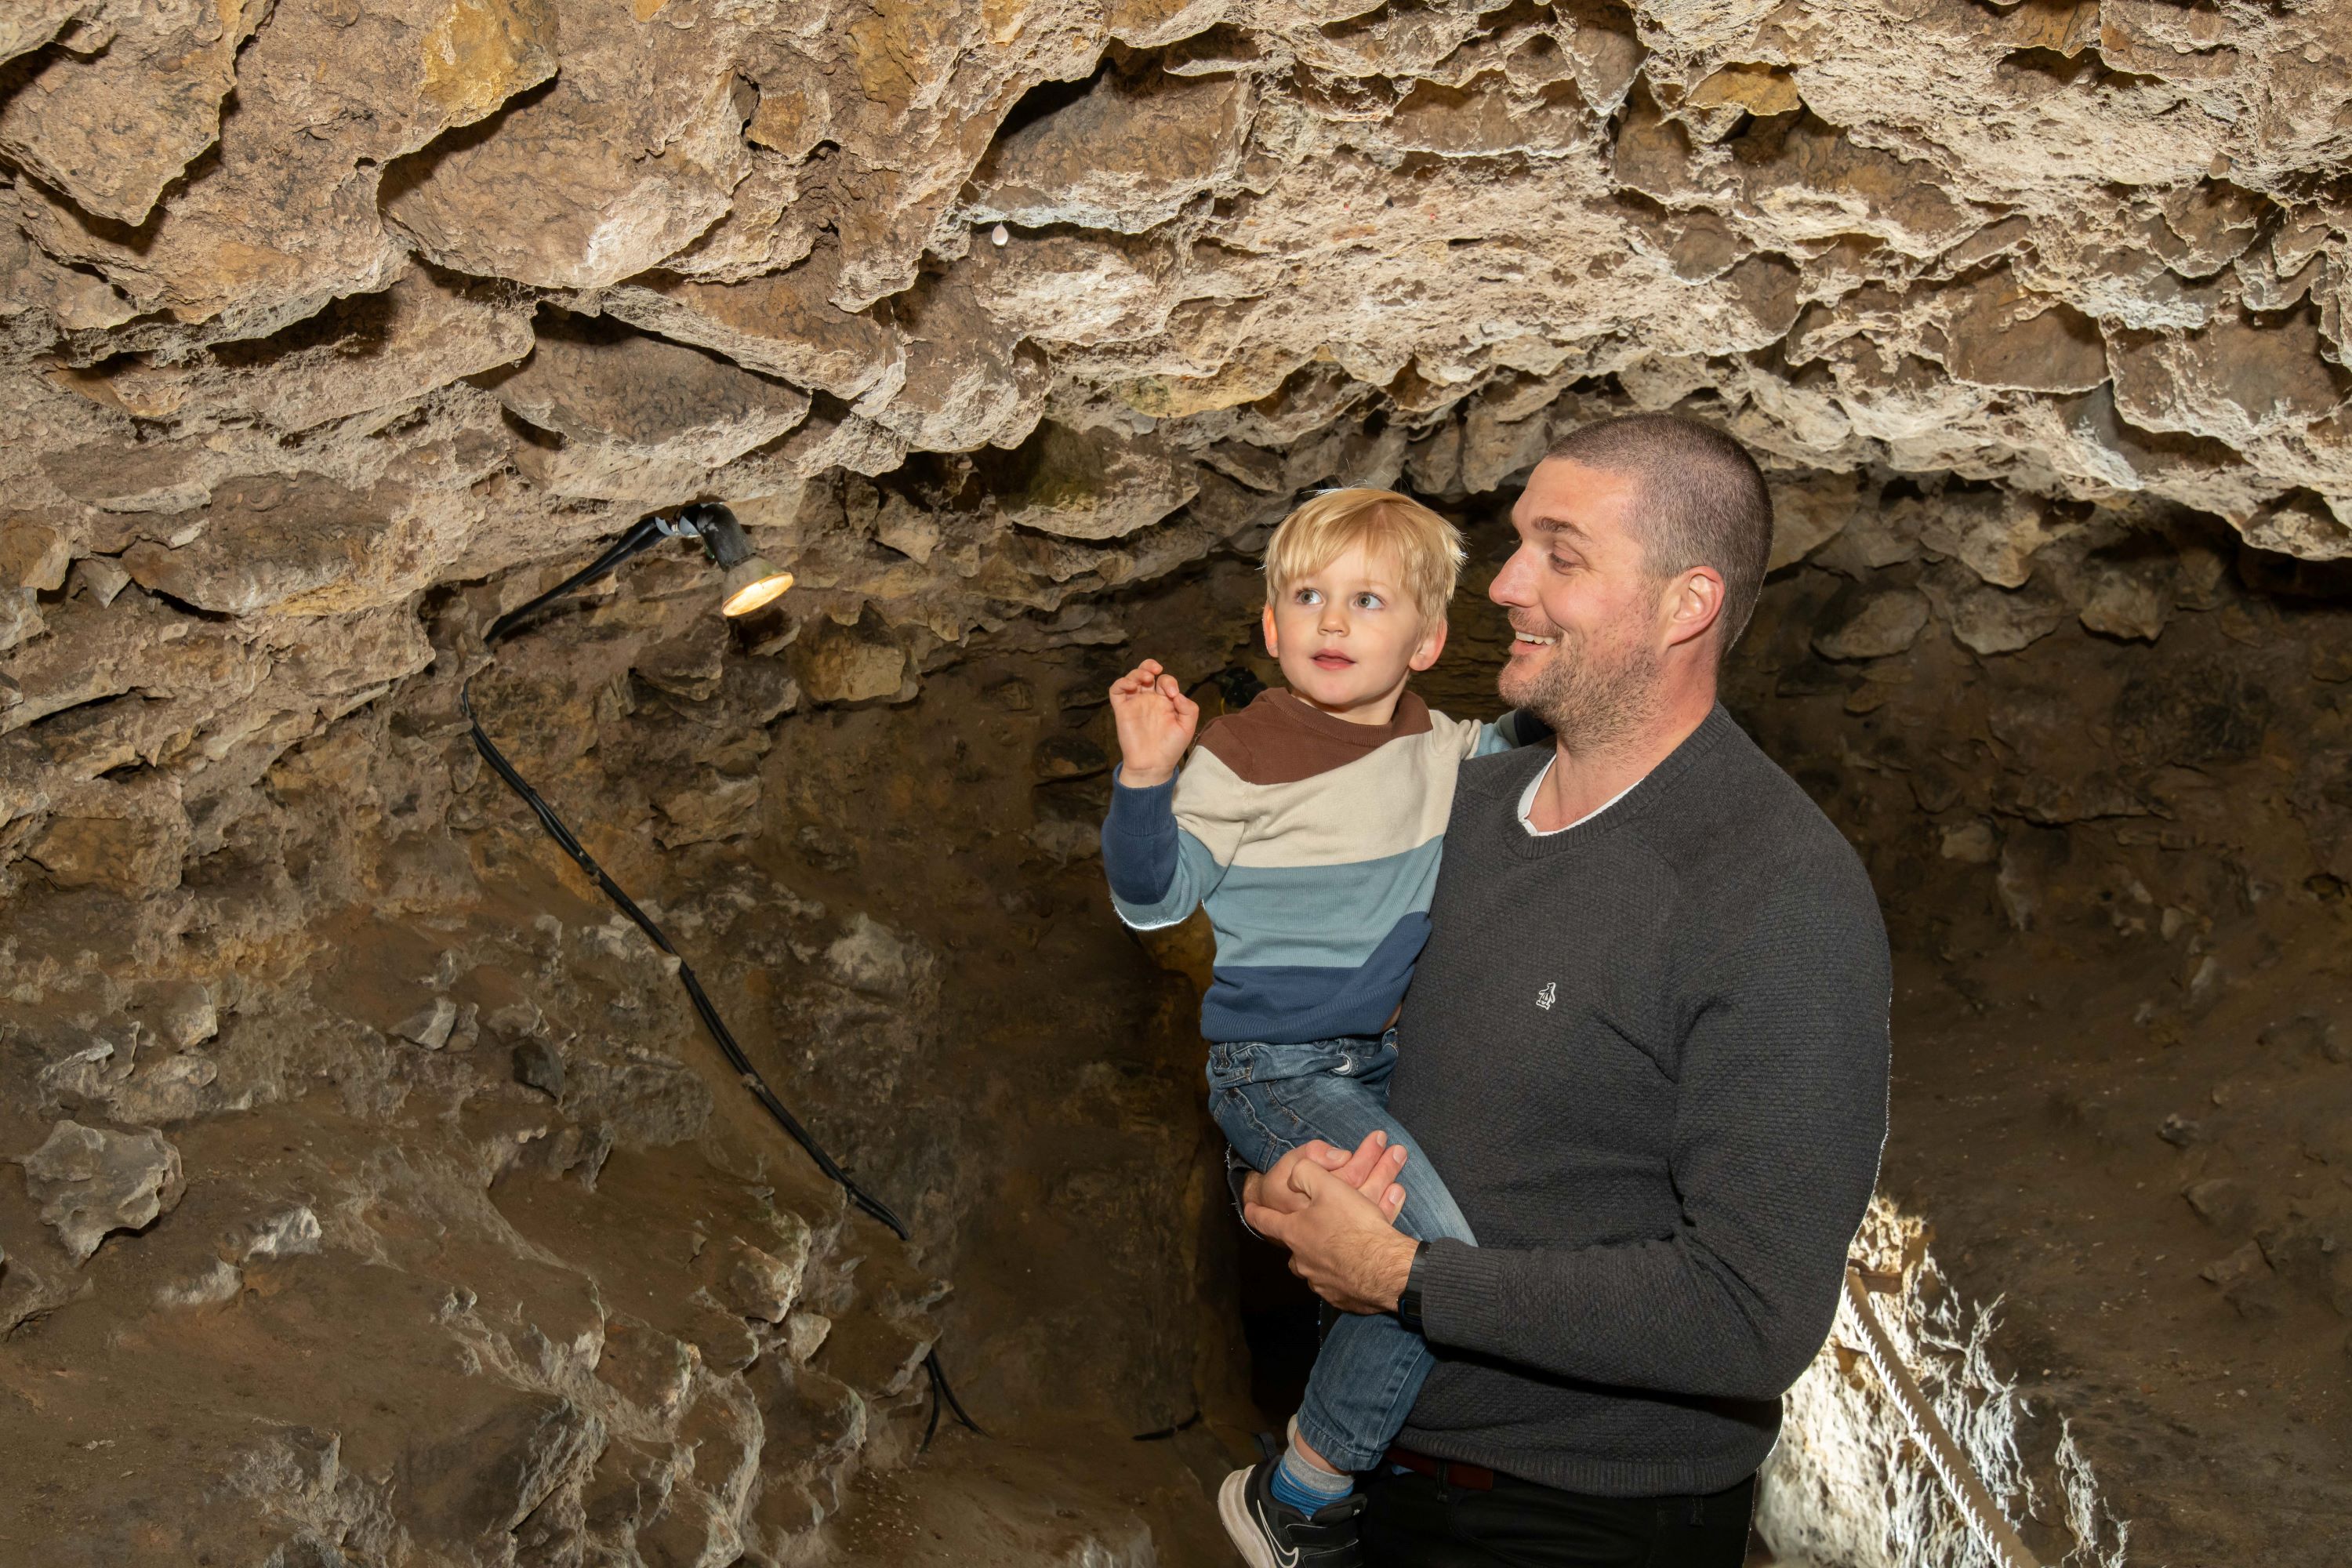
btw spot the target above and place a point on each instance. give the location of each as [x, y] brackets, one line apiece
[1432, 642]
[1272, 639]
[1693, 602]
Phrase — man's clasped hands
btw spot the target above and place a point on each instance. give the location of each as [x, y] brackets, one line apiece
[1336, 1211]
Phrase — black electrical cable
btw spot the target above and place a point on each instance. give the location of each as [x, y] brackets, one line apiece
[648, 532]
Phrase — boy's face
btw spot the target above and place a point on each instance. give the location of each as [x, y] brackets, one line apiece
[1347, 636]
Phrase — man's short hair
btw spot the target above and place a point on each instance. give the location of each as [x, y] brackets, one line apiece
[1701, 502]
[1424, 549]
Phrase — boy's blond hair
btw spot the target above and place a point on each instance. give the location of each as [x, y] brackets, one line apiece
[1425, 549]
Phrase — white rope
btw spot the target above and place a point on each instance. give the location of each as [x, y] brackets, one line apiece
[1968, 1490]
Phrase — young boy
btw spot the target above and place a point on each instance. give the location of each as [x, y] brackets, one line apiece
[1309, 826]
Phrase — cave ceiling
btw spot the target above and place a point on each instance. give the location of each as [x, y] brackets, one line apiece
[975, 309]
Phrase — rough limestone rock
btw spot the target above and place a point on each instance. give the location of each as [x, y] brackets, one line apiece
[358, 355]
[1091, 484]
[1993, 620]
[126, 840]
[638, 415]
[429, 1026]
[848, 666]
[169, 66]
[1878, 625]
[650, 158]
[1124, 158]
[89, 1181]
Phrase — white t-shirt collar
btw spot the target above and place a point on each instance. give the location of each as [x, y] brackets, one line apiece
[1528, 802]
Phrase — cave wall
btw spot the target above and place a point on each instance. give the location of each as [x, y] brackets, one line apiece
[382, 1200]
[328, 332]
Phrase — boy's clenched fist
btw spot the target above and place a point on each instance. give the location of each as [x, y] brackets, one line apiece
[1156, 721]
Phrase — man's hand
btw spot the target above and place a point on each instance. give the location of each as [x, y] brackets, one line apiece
[1371, 1170]
[1156, 721]
[1341, 1242]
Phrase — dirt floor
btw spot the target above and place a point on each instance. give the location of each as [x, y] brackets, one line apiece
[1061, 1493]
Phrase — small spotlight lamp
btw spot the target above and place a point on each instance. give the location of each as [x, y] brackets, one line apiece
[749, 581]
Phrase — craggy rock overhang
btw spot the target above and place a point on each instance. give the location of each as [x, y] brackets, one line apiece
[312, 306]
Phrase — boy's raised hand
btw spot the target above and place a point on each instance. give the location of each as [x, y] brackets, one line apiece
[1156, 720]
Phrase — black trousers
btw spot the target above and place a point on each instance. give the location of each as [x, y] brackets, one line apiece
[1414, 1521]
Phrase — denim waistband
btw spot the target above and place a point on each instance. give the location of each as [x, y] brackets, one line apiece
[1254, 1061]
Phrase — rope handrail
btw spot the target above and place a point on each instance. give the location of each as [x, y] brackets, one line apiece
[1967, 1488]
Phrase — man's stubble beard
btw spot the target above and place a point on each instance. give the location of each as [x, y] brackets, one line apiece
[1590, 695]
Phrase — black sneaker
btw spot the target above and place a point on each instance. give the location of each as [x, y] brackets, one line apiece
[1273, 1534]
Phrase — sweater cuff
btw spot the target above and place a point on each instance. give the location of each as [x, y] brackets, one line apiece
[1139, 845]
[1144, 812]
[1460, 1285]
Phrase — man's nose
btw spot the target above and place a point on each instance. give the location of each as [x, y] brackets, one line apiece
[1510, 588]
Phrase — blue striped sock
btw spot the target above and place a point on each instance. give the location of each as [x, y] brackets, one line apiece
[1304, 1486]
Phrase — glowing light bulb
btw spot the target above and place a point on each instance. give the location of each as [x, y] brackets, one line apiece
[751, 585]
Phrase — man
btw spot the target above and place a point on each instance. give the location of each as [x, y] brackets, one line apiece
[1647, 1044]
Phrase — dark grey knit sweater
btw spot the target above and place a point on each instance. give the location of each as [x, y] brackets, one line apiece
[1649, 1055]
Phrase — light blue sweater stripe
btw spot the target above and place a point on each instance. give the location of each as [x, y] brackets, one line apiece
[1318, 917]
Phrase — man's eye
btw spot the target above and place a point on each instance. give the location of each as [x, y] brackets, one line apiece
[1561, 564]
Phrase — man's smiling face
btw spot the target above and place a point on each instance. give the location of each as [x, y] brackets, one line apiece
[1585, 608]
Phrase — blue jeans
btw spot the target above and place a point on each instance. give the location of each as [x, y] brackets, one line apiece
[1270, 1098]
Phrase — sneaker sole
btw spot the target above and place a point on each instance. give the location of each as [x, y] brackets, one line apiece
[1232, 1507]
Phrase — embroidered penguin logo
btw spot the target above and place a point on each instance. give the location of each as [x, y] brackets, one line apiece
[1547, 995]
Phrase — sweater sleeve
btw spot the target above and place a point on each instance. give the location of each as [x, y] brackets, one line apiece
[1517, 727]
[1781, 1116]
[1159, 867]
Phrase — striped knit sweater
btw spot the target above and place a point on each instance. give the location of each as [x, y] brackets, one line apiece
[1313, 842]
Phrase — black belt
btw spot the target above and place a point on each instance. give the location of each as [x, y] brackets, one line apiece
[1450, 1472]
